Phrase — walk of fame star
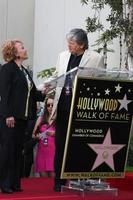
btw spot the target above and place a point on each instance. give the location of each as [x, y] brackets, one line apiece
[124, 102]
[105, 151]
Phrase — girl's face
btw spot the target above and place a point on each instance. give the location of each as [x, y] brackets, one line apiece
[49, 105]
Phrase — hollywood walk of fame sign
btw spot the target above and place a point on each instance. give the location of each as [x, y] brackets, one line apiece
[99, 129]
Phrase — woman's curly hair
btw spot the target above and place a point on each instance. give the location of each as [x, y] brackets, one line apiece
[9, 50]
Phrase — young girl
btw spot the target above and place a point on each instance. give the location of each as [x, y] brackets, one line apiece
[45, 130]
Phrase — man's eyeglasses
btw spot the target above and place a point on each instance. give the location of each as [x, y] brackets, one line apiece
[49, 104]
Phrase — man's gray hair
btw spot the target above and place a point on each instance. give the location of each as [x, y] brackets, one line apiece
[79, 36]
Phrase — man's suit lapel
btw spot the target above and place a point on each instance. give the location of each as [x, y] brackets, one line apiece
[65, 63]
[63, 69]
[85, 58]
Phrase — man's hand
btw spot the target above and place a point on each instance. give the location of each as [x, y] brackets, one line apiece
[10, 122]
[46, 88]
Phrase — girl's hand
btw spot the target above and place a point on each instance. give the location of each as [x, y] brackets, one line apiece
[51, 133]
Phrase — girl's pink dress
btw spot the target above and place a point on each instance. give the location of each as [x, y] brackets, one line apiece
[44, 160]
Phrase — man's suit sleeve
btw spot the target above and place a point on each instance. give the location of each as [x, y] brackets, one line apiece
[101, 62]
[57, 65]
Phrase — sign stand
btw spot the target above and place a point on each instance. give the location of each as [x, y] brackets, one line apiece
[99, 131]
[90, 187]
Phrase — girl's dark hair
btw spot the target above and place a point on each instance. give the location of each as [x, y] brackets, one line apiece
[46, 113]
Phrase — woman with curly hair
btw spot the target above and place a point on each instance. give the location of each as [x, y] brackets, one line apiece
[18, 97]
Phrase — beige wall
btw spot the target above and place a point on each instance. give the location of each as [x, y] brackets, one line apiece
[17, 21]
